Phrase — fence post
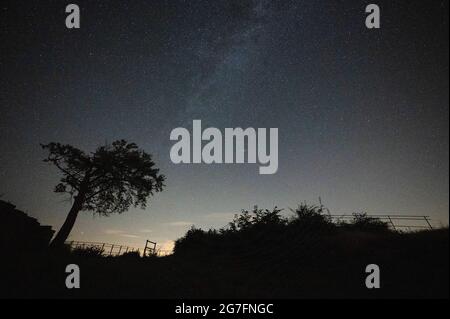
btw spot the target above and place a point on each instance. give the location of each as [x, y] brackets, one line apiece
[110, 252]
[428, 222]
[145, 249]
[392, 223]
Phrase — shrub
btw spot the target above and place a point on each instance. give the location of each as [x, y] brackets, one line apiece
[130, 255]
[312, 218]
[257, 218]
[363, 222]
[196, 241]
[264, 231]
[89, 252]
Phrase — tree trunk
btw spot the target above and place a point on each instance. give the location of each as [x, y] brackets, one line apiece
[66, 228]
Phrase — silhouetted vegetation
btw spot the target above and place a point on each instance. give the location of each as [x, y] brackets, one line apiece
[363, 222]
[88, 252]
[260, 253]
[266, 230]
[130, 255]
[107, 181]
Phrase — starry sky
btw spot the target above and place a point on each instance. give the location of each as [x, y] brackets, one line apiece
[362, 114]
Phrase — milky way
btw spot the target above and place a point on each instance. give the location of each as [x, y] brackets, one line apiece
[362, 114]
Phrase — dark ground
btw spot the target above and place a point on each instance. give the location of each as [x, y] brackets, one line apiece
[412, 266]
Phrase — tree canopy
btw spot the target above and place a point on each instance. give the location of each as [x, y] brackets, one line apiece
[109, 180]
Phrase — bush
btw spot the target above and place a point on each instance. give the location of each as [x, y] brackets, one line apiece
[88, 252]
[365, 223]
[257, 218]
[130, 255]
[263, 231]
[196, 241]
[310, 217]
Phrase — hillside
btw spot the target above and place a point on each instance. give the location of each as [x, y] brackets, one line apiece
[306, 257]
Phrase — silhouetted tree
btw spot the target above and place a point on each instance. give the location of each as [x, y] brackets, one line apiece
[107, 181]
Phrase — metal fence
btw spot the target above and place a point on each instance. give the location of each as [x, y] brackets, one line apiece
[108, 249]
[105, 249]
[396, 222]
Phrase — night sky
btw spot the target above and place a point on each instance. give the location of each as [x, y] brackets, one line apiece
[362, 114]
